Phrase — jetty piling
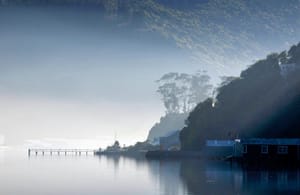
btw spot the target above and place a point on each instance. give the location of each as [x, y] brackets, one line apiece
[43, 152]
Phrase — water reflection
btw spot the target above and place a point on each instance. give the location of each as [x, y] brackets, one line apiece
[222, 178]
[164, 175]
[124, 175]
[272, 182]
[176, 177]
[170, 181]
[211, 177]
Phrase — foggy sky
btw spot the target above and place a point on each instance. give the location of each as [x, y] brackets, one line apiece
[69, 73]
[80, 75]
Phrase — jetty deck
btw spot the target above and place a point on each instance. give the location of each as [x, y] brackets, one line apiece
[41, 151]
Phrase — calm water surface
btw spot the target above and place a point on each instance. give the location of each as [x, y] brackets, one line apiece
[60, 175]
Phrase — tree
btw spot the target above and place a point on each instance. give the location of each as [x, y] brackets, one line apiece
[181, 92]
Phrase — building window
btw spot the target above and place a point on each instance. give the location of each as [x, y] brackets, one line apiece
[282, 149]
[245, 150]
[264, 149]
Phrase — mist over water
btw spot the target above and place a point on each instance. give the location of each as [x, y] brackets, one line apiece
[82, 175]
[47, 174]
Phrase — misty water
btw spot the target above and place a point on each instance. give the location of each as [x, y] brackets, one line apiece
[34, 175]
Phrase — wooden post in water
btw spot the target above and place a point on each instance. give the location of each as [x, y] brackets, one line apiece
[59, 151]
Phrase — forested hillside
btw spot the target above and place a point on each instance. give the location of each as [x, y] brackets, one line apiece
[263, 102]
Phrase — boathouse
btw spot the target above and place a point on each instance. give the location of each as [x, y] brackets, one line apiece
[270, 149]
[219, 148]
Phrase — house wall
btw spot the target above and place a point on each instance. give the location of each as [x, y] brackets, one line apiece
[254, 152]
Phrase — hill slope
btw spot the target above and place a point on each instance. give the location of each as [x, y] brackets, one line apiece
[263, 102]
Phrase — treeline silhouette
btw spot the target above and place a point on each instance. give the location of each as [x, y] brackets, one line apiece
[180, 93]
[263, 102]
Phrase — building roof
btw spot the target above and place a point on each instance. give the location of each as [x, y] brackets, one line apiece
[277, 141]
[220, 143]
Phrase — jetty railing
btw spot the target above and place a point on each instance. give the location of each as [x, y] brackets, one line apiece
[65, 152]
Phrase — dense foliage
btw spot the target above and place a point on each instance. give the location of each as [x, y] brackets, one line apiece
[263, 102]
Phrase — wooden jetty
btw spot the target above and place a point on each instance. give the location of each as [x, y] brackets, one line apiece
[34, 151]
